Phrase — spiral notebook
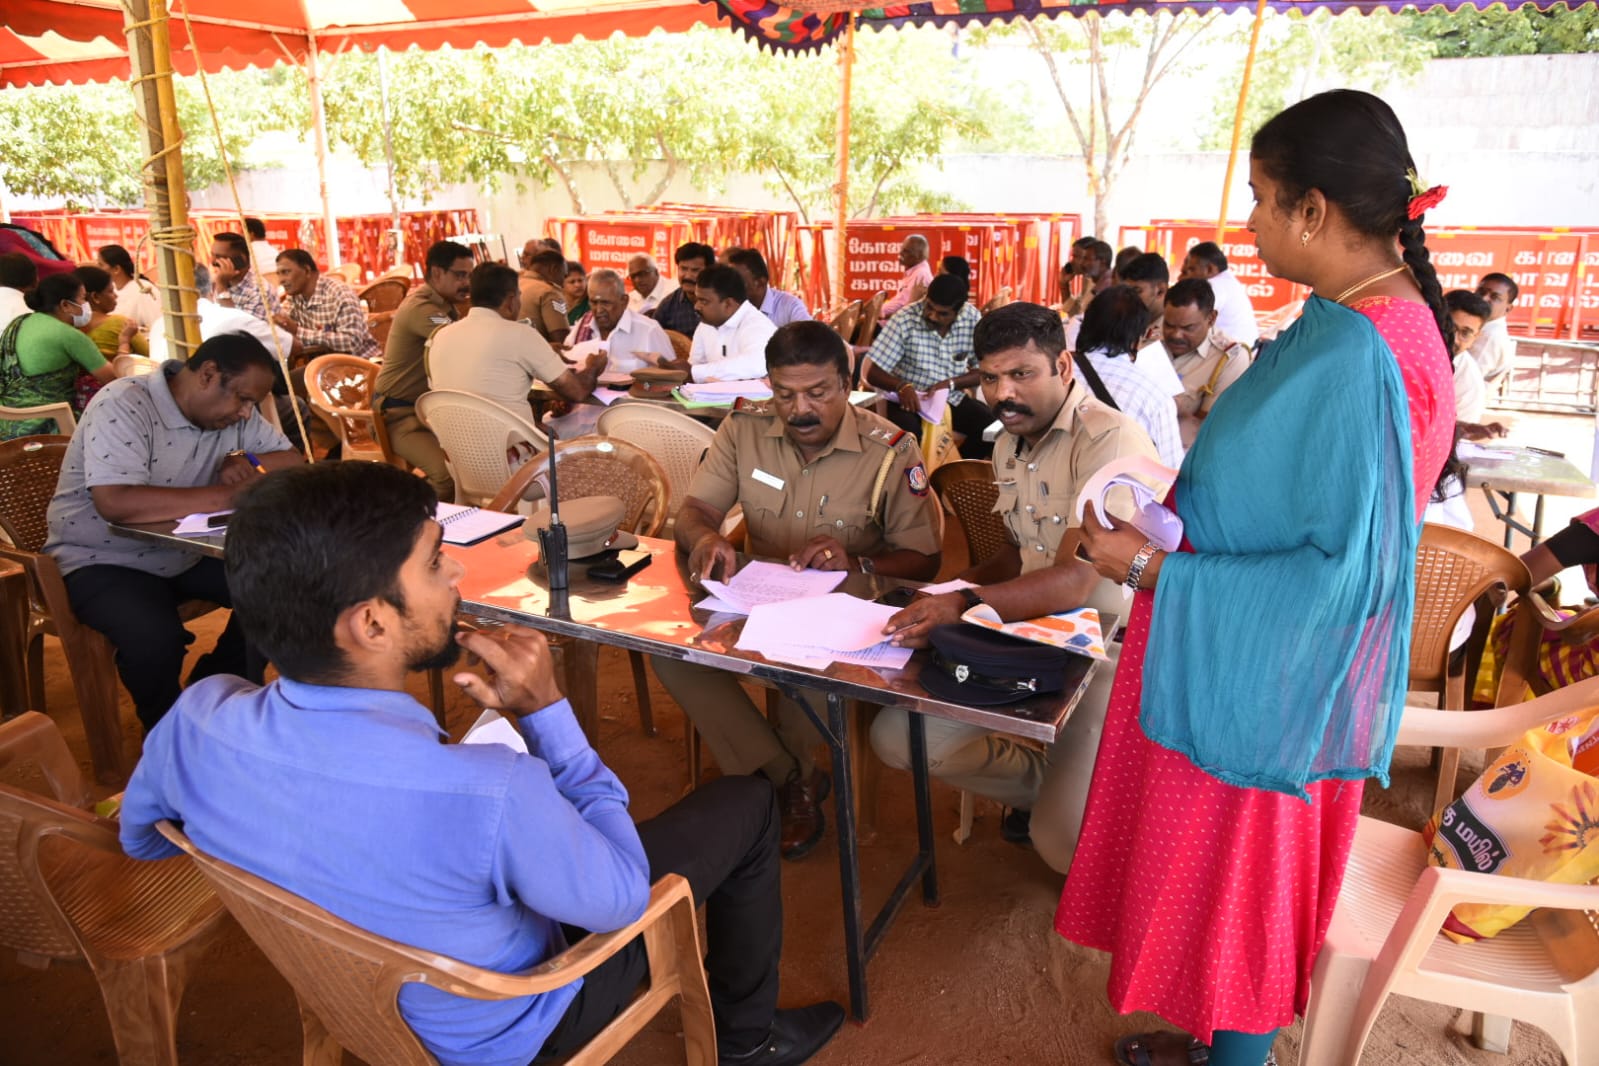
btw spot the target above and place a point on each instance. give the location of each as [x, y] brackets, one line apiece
[468, 525]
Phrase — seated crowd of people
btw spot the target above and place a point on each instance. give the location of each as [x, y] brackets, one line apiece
[501, 859]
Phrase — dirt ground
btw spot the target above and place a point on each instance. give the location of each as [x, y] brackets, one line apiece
[981, 978]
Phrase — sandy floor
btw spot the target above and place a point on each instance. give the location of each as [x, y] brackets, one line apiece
[979, 979]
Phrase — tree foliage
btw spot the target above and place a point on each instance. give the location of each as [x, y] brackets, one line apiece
[83, 142]
[1468, 33]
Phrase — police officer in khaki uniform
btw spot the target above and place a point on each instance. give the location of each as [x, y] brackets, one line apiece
[404, 377]
[1056, 437]
[826, 486]
[543, 286]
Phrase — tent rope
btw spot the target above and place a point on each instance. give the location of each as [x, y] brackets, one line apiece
[238, 207]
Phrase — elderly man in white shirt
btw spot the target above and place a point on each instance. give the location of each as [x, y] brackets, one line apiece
[649, 287]
[491, 354]
[629, 340]
[1495, 349]
[17, 275]
[215, 319]
[779, 306]
[730, 343]
[1235, 314]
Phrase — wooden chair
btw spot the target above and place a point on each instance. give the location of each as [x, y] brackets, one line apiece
[870, 314]
[66, 421]
[846, 319]
[349, 273]
[681, 343]
[601, 466]
[348, 980]
[384, 294]
[967, 485]
[674, 439]
[339, 389]
[1454, 571]
[71, 895]
[998, 300]
[481, 439]
[379, 324]
[1384, 938]
[29, 470]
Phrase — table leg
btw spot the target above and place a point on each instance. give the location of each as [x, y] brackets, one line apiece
[921, 782]
[1510, 522]
[1537, 521]
[580, 662]
[849, 869]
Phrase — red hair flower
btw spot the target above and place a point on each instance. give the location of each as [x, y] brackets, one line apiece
[1423, 202]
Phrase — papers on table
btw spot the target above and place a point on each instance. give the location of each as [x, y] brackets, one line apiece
[492, 727]
[822, 629]
[1468, 451]
[726, 391]
[607, 397]
[468, 525]
[201, 522]
[760, 583]
[952, 585]
[1076, 631]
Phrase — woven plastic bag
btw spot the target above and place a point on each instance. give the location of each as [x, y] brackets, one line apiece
[1533, 813]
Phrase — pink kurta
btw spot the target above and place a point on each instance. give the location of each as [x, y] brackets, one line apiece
[1214, 899]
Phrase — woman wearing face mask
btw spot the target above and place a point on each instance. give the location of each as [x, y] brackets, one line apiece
[112, 333]
[42, 353]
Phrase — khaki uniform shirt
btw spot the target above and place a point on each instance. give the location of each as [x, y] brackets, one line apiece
[1206, 373]
[1038, 486]
[545, 306]
[787, 501]
[404, 376]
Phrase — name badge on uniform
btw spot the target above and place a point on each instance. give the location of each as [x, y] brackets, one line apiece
[767, 479]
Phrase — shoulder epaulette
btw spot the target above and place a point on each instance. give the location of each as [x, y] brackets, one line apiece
[745, 406]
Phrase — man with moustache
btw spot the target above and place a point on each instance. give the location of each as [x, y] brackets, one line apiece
[1056, 437]
[824, 485]
[1205, 358]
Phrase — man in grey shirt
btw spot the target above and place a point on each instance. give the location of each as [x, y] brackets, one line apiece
[154, 448]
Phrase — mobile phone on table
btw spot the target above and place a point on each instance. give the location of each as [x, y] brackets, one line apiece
[900, 597]
[624, 566]
[217, 521]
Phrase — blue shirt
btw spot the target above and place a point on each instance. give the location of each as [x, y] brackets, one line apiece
[784, 307]
[345, 796]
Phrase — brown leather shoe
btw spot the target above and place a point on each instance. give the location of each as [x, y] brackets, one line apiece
[800, 802]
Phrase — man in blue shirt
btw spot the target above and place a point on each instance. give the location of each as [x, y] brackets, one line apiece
[332, 783]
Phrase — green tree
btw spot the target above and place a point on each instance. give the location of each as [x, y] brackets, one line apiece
[82, 142]
[1300, 55]
[1468, 33]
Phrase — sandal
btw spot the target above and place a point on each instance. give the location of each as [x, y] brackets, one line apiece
[1135, 1050]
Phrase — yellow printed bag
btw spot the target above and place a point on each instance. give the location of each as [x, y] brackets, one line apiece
[1533, 813]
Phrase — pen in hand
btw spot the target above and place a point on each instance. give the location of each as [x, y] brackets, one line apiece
[250, 457]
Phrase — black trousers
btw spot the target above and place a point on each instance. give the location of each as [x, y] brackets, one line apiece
[138, 613]
[722, 837]
[968, 418]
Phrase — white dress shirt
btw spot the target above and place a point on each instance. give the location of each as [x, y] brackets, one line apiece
[664, 287]
[1471, 395]
[784, 307]
[215, 319]
[137, 300]
[1144, 399]
[492, 357]
[1156, 364]
[1235, 314]
[1494, 349]
[12, 306]
[733, 351]
[633, 333]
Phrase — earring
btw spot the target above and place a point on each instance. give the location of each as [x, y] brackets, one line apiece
[1304, 238]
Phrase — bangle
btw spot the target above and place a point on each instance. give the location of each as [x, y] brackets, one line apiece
[1135, 571]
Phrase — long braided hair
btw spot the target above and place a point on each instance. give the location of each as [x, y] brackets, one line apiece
[1350, 145]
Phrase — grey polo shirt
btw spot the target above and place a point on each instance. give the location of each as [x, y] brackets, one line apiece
[134, 434]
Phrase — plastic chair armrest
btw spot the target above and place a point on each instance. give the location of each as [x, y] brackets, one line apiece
[1497, 726]
[36, 736]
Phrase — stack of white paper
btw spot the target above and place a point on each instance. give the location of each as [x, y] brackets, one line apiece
[822, 629]
[761, 582]
[727, 391]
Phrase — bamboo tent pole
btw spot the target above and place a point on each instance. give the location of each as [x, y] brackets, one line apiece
[166, 199]
[1238, 117]
[397, 233]
[319, 129]
[846, 63]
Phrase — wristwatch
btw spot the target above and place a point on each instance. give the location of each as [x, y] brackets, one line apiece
[1135, 572]
[970, 598]
[866, 564]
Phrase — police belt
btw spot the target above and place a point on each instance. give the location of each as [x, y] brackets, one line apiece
[968, 675]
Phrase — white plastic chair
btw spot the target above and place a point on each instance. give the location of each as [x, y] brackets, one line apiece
[674, 439]
[66, 424]
[1385, 939]
[481, 439]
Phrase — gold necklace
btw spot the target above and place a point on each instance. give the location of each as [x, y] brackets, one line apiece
[1347, 293]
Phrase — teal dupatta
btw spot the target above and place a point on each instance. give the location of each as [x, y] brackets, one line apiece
[1279, 649]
